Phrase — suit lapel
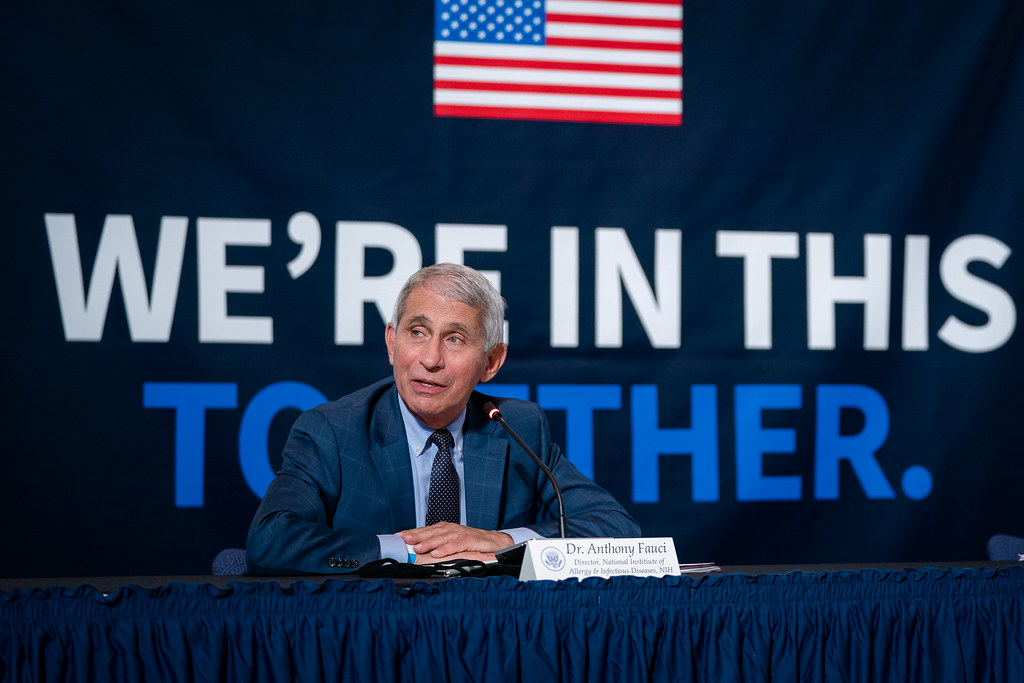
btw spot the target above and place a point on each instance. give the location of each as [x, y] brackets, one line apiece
[390, 455]
[485, 458]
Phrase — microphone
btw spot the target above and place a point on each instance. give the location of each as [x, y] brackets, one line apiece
[495, 414]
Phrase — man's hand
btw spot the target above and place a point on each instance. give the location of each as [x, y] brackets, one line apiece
[446, 541]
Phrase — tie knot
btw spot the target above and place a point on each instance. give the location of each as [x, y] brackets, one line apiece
[443, 439]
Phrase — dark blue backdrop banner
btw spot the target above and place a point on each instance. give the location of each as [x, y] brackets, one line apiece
[762, 265]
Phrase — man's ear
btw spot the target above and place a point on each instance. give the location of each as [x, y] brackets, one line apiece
[495, 359]
[389, 340]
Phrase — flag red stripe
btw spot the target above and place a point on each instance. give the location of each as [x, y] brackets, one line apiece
[561, 89]
[614, 21]
[613, 44]
[557, 115]
[568, 66]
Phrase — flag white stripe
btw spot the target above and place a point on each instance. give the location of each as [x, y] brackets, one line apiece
[641, 34]
[480, 98]
[488, 74]
[633, 10]
[558, 54]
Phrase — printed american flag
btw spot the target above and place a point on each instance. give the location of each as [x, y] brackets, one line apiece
[608, 61]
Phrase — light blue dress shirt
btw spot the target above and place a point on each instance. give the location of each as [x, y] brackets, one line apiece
[421, 456]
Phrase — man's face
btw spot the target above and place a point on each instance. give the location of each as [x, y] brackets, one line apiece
[438, 353]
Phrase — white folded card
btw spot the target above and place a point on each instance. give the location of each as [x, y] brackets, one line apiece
[578, 558]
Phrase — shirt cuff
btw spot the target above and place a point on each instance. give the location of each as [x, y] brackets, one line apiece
[393, 547]
[520, 534]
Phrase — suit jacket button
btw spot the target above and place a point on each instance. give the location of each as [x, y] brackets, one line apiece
[342, 563]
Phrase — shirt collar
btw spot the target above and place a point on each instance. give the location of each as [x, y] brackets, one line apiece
[417, 433]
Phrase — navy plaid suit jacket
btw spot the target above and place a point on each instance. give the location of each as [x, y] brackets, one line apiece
[346, 477]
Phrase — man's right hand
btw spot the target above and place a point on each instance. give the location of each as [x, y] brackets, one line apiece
[447, 541]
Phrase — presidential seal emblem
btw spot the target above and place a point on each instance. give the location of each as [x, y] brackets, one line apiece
[552, 558]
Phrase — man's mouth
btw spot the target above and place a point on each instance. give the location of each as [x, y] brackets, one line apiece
[427, 385]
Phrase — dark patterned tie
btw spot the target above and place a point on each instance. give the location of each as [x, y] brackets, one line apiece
[443, 498]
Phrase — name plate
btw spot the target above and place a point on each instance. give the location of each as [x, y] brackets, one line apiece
[578, 558]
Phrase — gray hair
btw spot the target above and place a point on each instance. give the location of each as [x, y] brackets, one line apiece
[454, 282]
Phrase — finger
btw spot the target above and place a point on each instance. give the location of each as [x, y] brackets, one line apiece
[480, 557]
[442, 545]
[474, 540]
[464, 541]
[412, 536]
[442, 542]
[438, 545]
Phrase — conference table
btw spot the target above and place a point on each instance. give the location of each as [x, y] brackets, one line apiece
[941, 621]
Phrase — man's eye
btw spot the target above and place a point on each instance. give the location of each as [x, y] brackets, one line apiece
[454, 340]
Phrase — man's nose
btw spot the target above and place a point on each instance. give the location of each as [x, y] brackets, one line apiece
[432, 357]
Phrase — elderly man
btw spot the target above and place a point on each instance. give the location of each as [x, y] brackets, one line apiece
[411, 467]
